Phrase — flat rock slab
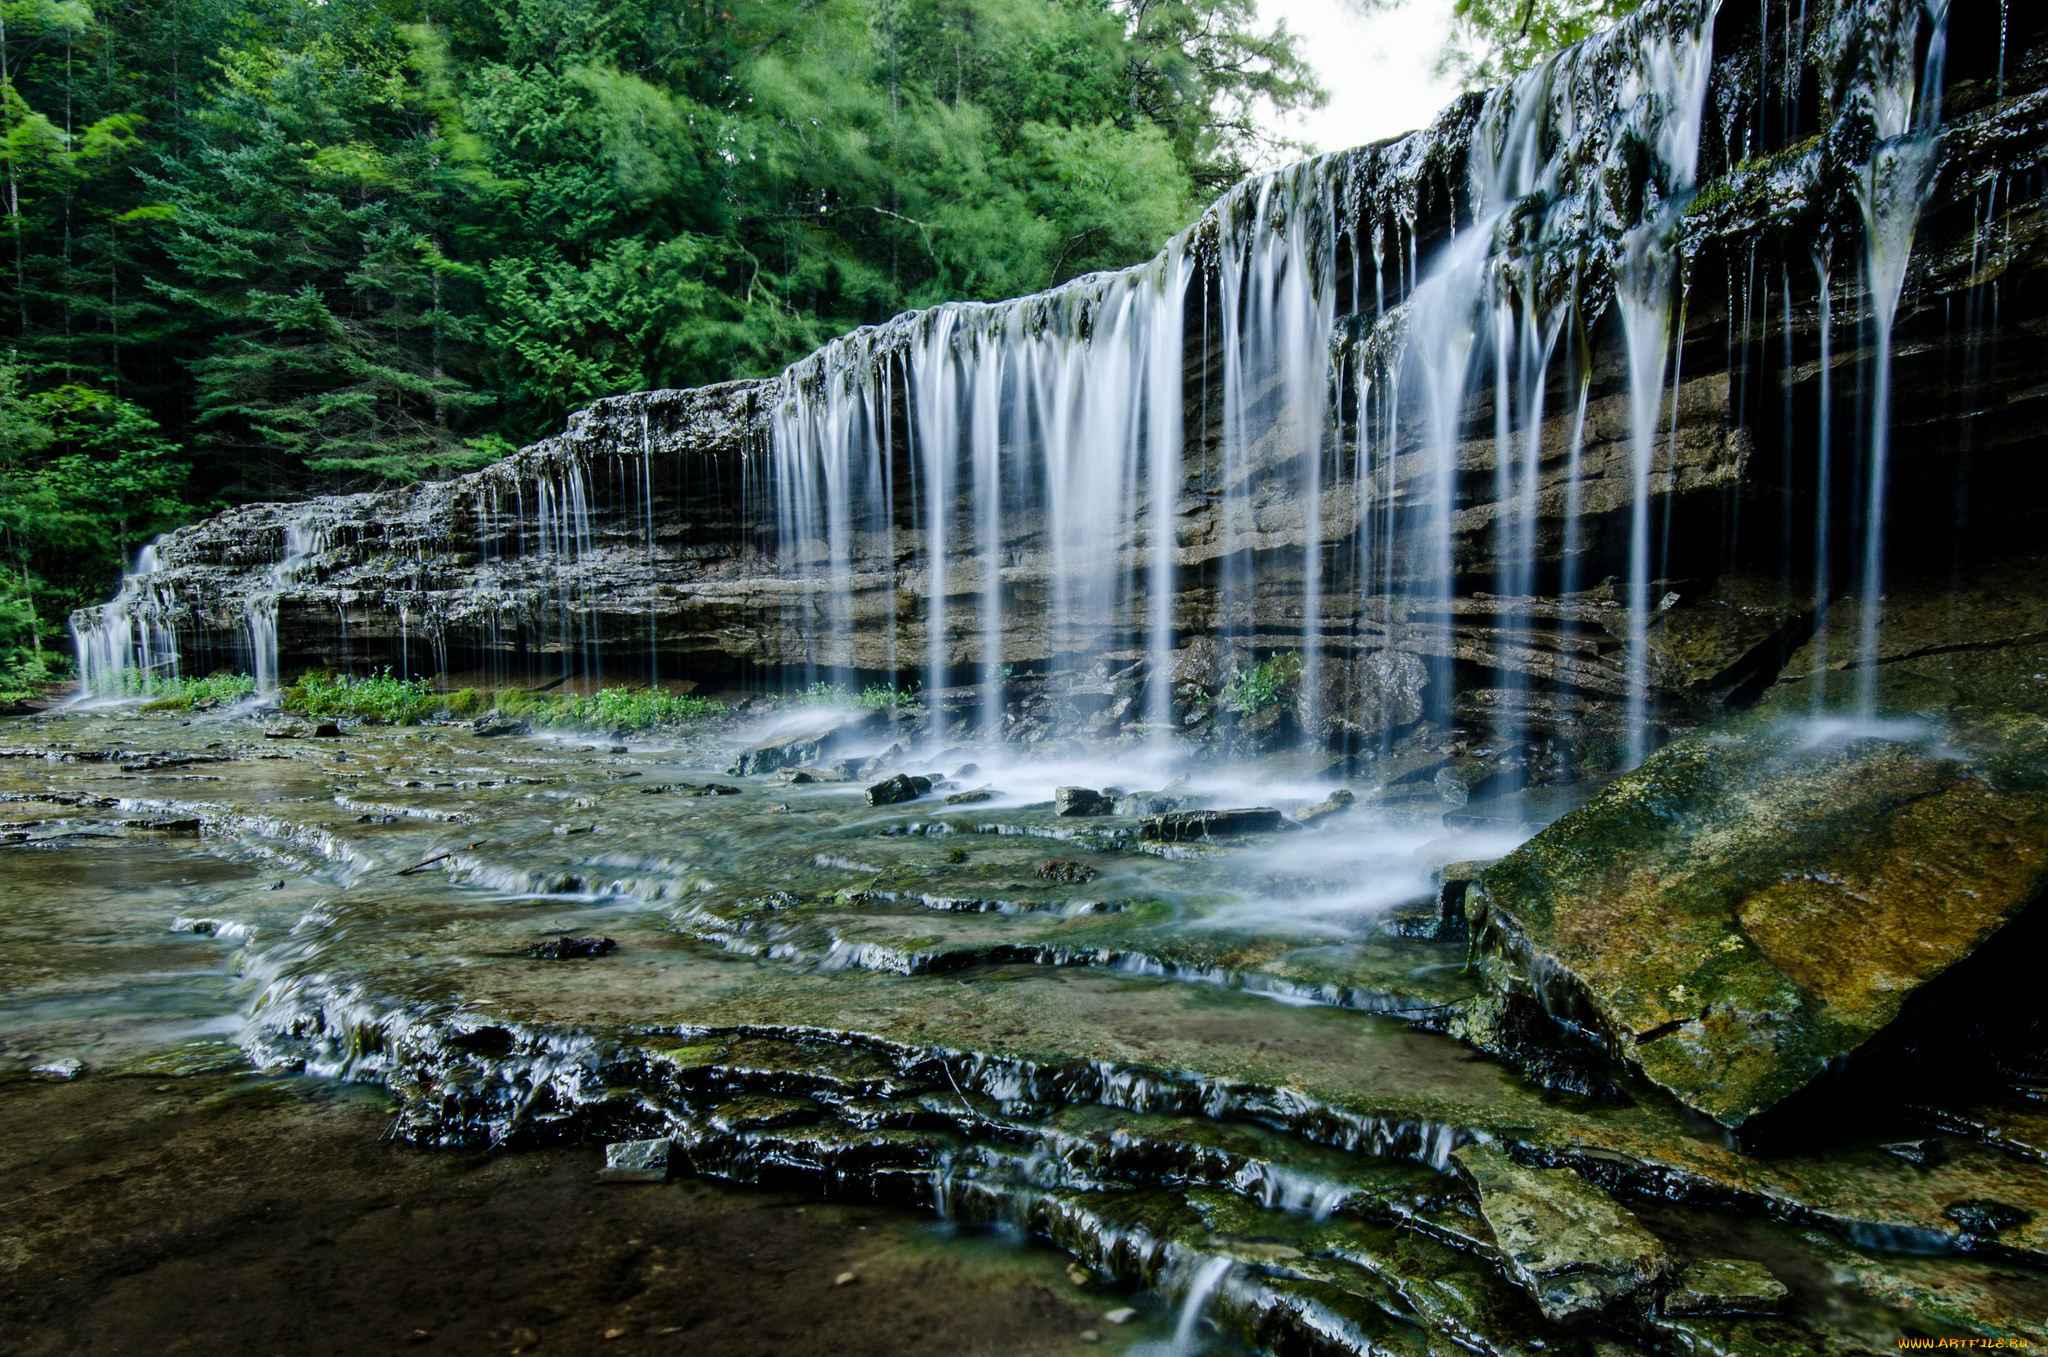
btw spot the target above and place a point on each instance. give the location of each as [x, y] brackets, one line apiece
[1724, 1286]
[805, 744]
[1760, 898]
[1571, 1246]
[636, 1161]
[1183, 825]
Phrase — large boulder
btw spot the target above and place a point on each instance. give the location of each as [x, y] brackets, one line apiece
[1759, 899]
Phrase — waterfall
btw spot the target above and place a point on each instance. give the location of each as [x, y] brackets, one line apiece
[1355, 396]
[302, 541]
[1202, 1288]
[1041, 439]
[1905, 117]
[124, 644]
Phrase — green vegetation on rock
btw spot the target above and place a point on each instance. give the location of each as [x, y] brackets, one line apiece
[378, 697]
[1758, 899]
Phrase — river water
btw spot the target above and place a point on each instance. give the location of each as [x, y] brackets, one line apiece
[1211, 1068]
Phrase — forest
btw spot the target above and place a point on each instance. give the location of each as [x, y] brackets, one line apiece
[257, 248]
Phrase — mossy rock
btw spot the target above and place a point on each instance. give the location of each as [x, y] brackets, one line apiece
[1759, 899]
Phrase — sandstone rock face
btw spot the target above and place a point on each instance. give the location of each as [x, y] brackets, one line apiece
[1758, 900]
[1368, 696]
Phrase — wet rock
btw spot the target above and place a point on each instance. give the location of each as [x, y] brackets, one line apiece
[1477, 777]
[1336, 803]
[59, 1071]
[1924, 1154]
[845, 1279]
[293, 728]
[1724, 1286]
[1782, 894]
[803, 777]
[1081, 801]
[1123, 1314]
[637, 1161]
[1363, 698]
[1983, 1218]
[1066, 872]
[1089, 1336]
[809, 744]
[1204, 665]
[1712, 642]
[168, 825]
[1150, 803]
[565, 949]
[2018, 1130]
[897, 789]
[972, 798]
[1572, 1247]
[493, 724]
[763, 1113]
[1186, 825]
[966, 770]
[1434, 918]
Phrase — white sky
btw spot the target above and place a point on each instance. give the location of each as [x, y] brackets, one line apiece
[1376, 67]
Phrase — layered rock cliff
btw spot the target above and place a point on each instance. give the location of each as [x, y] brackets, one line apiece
[1606, 478]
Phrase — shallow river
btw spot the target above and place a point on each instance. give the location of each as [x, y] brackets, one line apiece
[1211, 1071]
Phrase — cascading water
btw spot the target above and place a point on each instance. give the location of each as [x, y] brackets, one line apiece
[1043, 437]
[1247, 441]
[1904, 110]
[126, 643]
[1044, 443]
[302, 542]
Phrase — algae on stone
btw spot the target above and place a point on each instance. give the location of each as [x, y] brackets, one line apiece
[1570, 1245]
[1760, 898]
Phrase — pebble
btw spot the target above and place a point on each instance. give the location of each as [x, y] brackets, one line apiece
[845, 1279]
[1122, 1315]
[1078, 1275]
[1090, 1336]
[61, 1070]
[614, 1333]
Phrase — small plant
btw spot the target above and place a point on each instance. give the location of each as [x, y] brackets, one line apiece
[379, 697]
[632, 709]
[1253, 690]
[883, 696]
[169, 694]
[876, 696]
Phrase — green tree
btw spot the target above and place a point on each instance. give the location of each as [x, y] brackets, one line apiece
[1495, 40]
[85, 479]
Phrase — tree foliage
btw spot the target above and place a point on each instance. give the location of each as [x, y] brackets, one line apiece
[1494, 40]
[284, 247]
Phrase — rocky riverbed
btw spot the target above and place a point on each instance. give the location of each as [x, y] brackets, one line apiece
[1236, 1063]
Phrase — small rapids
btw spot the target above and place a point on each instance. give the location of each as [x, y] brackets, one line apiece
[1284, 1173]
